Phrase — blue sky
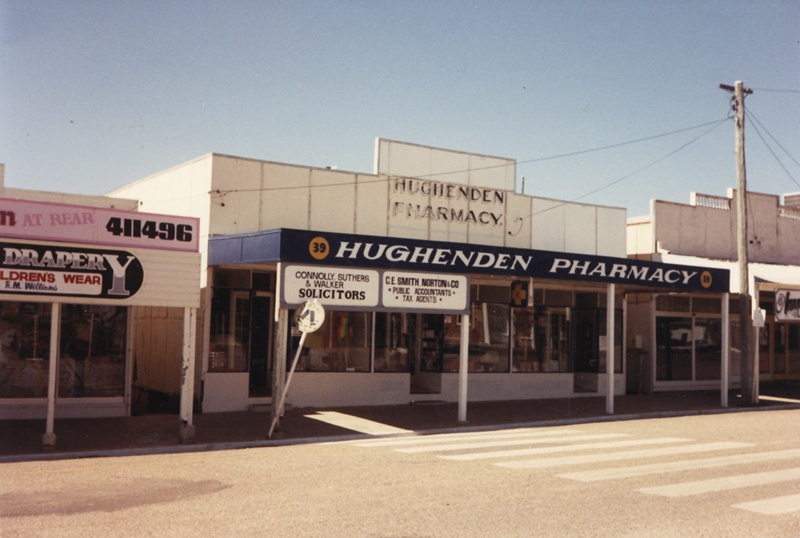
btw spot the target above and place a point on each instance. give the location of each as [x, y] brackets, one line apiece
[96, 94]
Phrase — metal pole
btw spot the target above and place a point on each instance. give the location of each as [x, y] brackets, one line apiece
[279, 409]
[610, 344]
[463, 369]
[49, 437]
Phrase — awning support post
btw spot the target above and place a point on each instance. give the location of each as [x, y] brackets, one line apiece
[187, 430]
[610, 345]
[49, 436]
[463, 369]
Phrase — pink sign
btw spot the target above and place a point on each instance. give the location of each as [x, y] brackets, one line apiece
[45, 221]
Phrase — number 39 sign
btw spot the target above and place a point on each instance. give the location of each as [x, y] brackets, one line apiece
[311, 317]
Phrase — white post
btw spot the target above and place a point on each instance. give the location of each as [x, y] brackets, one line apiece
[187, 374]
[463, 369]
[726, 350]
[49, 436]
[610, 358]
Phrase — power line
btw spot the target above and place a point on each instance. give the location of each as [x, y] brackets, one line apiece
[527, 161]
[756, 123]
[776, 91]
[623, 178]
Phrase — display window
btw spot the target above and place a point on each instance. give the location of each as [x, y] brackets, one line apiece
[541, 339]
[395, 341]
[688, 346]
[92, 350]
[230, 330]
[24, 349]
[489, 337]
[341, 344]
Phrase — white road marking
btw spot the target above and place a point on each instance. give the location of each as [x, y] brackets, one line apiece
[625, 455]
[776, 505]
[683, 465]
[356, 423]
[724, 483]
[507, 442]
[561, 448]
[437, 438]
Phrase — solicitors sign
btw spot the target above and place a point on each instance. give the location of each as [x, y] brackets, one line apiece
[366, 289]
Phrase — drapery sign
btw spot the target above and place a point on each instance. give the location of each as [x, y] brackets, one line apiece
[787, 305]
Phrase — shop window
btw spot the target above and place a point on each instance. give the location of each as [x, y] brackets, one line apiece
[24, 349]
[706, 305]
[92, 351]
[91, 361]
[230, 330]
[541, 339]
[395, 341]
[489, 337]
[432, 343]
[780, 348]
[232, 278]
[764, 348]
[673, 348]
[673, 303]
[603, 346]
[341, 344]
[560, 298]
[793, 348]
[707, 347]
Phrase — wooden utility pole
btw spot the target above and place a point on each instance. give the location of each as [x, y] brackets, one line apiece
[749, 372]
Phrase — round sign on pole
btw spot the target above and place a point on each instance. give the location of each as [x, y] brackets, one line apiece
[311, 317]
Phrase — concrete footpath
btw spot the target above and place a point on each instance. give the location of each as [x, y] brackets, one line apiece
[21, 440]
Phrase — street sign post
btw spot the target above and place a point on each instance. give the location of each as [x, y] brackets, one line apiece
[310, 319]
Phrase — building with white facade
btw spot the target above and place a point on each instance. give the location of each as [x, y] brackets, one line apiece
[72, 269]
[680, 333]
[439, 282]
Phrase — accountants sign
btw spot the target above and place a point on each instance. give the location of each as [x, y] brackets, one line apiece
[350, 288]
[441, 257]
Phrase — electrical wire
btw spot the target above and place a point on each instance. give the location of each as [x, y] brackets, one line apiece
[623, 178]
[715, 123]
[756, 124]
[775, 91]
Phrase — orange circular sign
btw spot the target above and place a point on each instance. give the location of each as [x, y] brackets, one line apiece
[319, 248]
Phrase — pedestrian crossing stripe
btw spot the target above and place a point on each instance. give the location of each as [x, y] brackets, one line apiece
[624, 455]
[512, 442]
[435, 438]
[563, 448]
[724, 483]
[775, 505]
[613, 473]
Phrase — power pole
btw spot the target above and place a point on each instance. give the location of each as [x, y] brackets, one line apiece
[749, 372]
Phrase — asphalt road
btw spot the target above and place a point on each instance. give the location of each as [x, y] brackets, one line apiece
[722, 475]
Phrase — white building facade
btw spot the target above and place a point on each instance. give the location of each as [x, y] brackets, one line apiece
[73, 269]
[679, 333]
[432, 269]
